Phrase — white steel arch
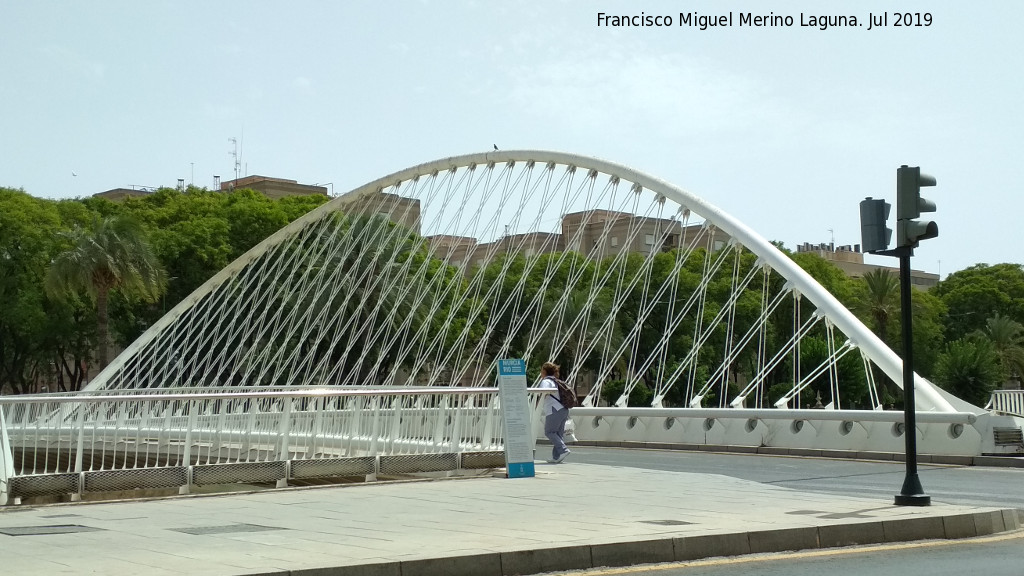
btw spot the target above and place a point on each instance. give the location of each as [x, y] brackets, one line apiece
[344, 292]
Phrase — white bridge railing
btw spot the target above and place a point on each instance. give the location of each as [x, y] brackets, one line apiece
[1007, 402]
[104, 441]
[804, 432]
[118, 440]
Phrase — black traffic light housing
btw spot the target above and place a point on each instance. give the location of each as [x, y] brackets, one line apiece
[874, 234]
[909, 205]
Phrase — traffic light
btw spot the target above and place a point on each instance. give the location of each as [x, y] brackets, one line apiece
[909, 206]
[874, 235]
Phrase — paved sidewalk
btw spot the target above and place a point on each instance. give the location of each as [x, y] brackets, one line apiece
[570, 516]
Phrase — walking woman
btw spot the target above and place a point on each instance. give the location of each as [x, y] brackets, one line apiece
[555, 414]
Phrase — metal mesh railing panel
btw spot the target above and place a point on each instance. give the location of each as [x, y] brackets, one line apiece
[333, 467]
[43, 485]
[482, 460]
[135, 479]
[254, 472]
[413, 463]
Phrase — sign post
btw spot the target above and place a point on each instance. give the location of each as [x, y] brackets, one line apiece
[515, 408]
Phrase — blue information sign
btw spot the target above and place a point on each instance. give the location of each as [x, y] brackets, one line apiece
[515, 409]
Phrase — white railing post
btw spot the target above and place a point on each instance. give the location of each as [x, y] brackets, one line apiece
[285, 430]
[396, 425]
[440, 422]
[6, 460]
[79, 449]
[353, 423]
[187, 449]
[246, 442]
[455, 441]
[316, 431]
[487, 434]
[375, 426]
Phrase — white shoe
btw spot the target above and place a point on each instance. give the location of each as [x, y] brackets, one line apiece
[562, 456]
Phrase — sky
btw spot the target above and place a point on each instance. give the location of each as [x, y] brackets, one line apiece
[786, 128]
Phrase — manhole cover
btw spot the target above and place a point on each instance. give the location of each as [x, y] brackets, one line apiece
[231, 528]
[41, 530]
[667, 522]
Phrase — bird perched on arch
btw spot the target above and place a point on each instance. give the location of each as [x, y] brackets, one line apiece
[495, 146]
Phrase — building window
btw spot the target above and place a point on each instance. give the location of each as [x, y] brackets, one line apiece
[615, 241]
[718, 245]
[649, 239]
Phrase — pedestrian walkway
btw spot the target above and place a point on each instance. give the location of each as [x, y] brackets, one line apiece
[570, 516]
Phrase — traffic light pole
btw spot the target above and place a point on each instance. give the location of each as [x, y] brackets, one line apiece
[912, 494]
[909, 231]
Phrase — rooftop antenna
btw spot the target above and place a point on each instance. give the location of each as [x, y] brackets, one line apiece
[235, 153]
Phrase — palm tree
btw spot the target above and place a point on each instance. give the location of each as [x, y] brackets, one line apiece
[1007, 336]
[112, 254]
[881, 300]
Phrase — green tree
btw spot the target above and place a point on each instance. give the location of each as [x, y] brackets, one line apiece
[42, 342]
[977, 293]
[196, 233]
[969, 369]
[928, 330]
[1007, 337]
[112, 254]
[27, 227]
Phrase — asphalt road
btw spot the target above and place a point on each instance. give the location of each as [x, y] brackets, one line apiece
[971, 485]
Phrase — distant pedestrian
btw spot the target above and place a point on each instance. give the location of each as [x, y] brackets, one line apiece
[555, 414]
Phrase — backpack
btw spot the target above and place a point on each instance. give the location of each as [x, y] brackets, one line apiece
[566, 395]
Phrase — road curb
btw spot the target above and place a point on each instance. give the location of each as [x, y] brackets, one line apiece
[688, 548]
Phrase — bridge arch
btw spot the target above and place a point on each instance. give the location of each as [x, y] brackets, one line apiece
[428, 275]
